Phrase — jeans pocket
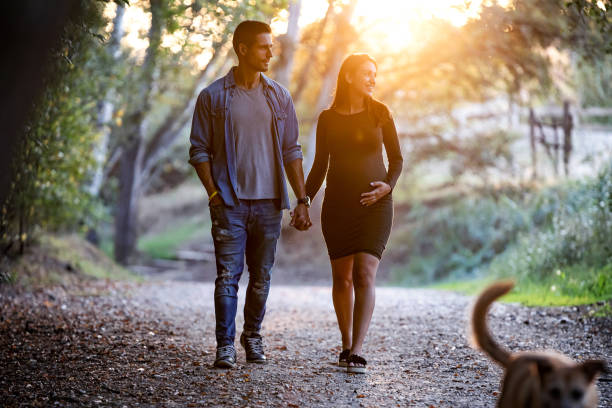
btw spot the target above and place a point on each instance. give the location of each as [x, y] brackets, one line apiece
[271, 219]
[225, 226]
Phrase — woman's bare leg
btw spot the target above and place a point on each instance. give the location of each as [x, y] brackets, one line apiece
[342, 295]
[364, 276]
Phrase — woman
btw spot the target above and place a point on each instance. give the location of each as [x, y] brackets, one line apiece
[357, 209]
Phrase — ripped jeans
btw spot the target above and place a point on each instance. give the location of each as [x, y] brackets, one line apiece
[250, 228]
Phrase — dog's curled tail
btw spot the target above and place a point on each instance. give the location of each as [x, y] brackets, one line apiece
[480, 333]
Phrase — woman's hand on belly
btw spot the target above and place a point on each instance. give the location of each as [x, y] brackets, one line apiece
[381, 189]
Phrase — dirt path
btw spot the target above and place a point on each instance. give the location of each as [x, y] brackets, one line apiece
[153, 344]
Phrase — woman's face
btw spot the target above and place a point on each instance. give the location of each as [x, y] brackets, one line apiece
[363, 79]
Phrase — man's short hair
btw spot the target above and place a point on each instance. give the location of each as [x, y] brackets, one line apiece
[247, 30]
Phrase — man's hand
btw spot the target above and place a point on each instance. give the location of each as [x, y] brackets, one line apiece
[381, 189]
[205, 175]
[300, 219]
[216, 200]
[299, 216]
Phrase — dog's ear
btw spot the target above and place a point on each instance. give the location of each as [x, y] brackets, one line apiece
[591, 368]
[544, 367]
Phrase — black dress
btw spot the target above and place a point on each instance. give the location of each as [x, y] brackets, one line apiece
[351, 146]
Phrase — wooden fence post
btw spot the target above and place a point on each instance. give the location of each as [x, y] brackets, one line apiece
[556, 145]
[532, 144]
[567, 136]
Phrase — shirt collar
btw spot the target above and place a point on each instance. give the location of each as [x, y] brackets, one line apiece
[230, 81]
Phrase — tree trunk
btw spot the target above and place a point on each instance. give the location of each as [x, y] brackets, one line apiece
[126, 218]
[288, 42]
[106, 107]
[344, 38]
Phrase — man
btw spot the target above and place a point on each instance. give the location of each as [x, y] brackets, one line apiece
[244, 136]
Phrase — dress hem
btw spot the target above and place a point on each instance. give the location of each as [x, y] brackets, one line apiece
[367, 251]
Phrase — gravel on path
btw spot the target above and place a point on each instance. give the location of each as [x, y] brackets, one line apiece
[152, 344]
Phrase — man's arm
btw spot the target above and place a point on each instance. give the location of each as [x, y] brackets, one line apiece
[205, 175]
[300, 218]
[199, 152]
[291, 148]
[201, 131]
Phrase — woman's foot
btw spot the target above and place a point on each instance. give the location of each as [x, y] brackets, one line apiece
[344, 358]
[356, 364]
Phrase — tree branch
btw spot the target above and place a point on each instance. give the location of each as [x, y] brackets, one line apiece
[179, 116]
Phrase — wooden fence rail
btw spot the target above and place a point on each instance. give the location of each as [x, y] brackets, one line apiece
[546, 132]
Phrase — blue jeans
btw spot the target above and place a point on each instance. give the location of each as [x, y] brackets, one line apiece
[250, 228]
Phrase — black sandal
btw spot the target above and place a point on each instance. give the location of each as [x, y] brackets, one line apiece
[357, 364]
[343, 360]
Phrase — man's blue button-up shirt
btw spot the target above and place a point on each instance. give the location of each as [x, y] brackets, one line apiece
[212, 139]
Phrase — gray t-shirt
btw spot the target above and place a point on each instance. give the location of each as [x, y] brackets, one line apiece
[254, 145]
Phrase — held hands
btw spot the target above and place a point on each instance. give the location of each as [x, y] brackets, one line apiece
[300, 219]
[381, 189]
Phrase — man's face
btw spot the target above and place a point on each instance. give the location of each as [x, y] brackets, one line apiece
[257, 55]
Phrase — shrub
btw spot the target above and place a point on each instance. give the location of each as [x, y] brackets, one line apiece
[53, 163]
[515, 233]
[578, 234]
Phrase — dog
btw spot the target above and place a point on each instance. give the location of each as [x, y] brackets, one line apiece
[544, 379]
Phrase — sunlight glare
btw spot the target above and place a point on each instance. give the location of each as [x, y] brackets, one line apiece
[137, 23]
[393, 22]
[457, 12]
[279, 23]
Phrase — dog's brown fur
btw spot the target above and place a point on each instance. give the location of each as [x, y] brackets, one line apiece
[535, 379]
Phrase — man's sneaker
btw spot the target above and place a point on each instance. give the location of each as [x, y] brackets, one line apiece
[254, 348]
[226, 357]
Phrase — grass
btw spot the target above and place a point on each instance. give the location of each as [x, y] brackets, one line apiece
[61, 259]
[603, 311]
[165, 244]
[107, 246]
[576, 285]
[88, 259]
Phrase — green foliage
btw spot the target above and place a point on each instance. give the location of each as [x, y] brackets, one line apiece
[573, 286]
[54, 159]
[461, 238]
[522, 233]
[593, 80]
[603, 311]
[577, 235]
[555, 243]
[454, 239]
[590, 26]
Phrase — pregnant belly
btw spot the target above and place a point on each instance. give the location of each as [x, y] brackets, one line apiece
[350, 185]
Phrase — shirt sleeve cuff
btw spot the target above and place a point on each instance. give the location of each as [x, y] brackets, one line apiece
[291, 156]
[199, 158]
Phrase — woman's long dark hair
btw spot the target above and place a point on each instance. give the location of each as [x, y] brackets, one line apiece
[377, 110]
